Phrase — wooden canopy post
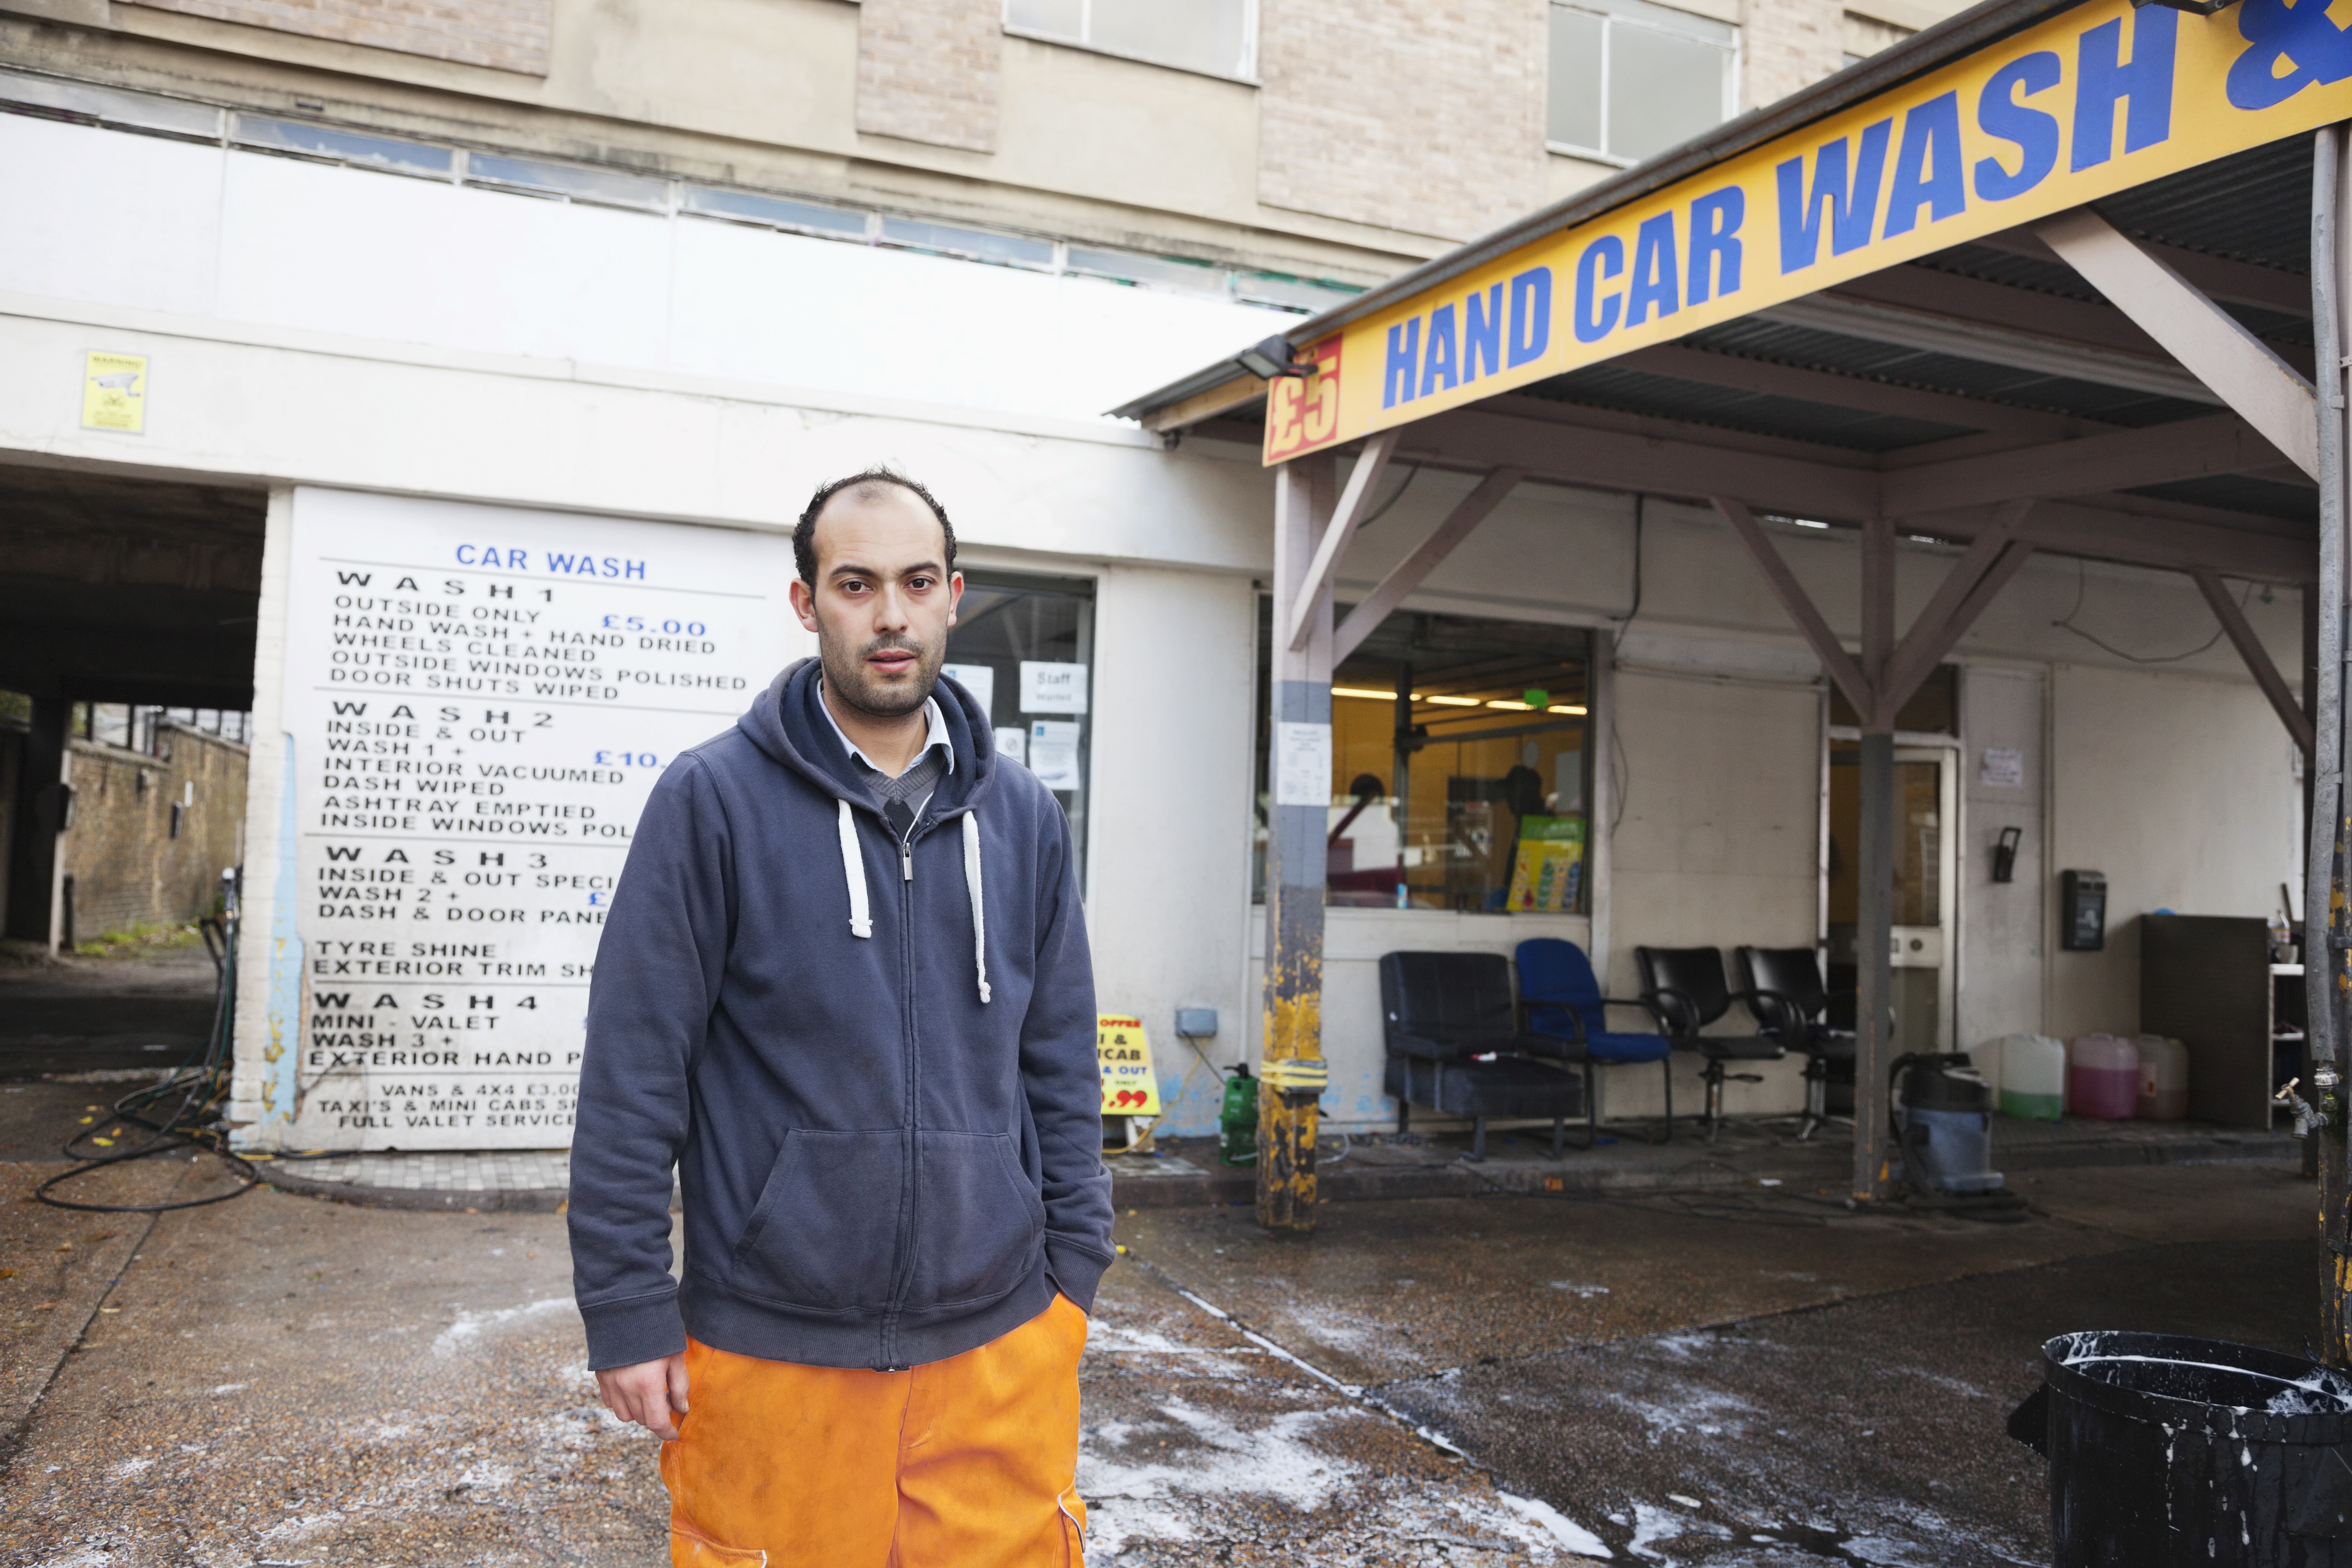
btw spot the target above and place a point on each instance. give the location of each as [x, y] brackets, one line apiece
[1296, 855]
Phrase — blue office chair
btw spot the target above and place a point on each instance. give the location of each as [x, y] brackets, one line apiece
[1560, 1000]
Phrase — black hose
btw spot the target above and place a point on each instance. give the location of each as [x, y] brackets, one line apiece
[201, 1082]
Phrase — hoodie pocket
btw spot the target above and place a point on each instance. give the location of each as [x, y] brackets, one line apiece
[979, 1223]
[825, 1233]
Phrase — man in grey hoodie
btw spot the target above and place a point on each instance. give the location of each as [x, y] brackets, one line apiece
[845, 990]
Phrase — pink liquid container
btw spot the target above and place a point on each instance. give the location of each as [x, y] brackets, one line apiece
[2102, 1077]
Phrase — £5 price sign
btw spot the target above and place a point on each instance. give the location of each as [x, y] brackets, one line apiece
[1128, 1087]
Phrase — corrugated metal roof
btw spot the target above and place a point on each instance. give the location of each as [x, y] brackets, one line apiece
[1730, 409]
[2253, 207]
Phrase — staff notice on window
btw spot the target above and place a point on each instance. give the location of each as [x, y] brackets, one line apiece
[1129, 1086]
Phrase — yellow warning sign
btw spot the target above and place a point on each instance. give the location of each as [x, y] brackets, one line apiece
[1129, 1086]
[114, 393]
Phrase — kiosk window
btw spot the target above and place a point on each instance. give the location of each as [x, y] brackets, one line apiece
[1459, 768]
[1026, 647]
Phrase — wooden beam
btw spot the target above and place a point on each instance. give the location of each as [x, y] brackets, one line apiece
[2258, 658]
[1965, 574]
[1216, 400]
[2243, 371]
[1408, 574]
[2237, 282]
[1907, 678]
[1877, 616]
[1798, 603]
[1369, 465]
[1832, 390]
[1683, 463]
[2116, 459]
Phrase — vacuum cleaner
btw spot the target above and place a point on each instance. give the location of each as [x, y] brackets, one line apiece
[1942, 1115]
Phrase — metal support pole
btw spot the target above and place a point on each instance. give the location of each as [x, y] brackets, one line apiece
[1873, 964]
[1297, 857]
[1875, 911]
[2324, 882]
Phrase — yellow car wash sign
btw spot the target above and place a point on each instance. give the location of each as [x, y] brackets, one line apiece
[2097, 100]
[1128, 1087]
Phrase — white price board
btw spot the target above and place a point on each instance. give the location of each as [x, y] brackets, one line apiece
[478, 700]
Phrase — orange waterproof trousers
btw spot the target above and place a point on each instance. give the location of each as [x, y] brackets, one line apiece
[970, 1462]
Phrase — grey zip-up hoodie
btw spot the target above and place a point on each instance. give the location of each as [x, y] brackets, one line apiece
[871, 1061]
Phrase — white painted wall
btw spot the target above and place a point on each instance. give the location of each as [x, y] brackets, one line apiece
[2001, 933]
[2183, 792]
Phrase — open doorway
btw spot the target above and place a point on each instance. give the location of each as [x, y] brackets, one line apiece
[1925, 928]
[126, 617]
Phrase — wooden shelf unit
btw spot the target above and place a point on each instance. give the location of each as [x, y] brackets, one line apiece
[2208, 982]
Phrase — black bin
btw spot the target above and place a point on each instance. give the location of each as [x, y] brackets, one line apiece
[2168, 1450]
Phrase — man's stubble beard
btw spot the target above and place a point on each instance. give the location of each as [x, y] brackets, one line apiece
[846, 675]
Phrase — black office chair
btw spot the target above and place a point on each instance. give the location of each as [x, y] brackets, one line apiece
[1441, 1012]
[1791, 1004]
[1685, 985]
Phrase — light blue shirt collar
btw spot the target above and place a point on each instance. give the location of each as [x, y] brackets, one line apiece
[935, 733]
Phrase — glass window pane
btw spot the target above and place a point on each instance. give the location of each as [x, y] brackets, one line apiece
[1061, 18]
[1468, 796]
[1007, 619]
[1203, 35]
[1572, 99]
[1662, 91]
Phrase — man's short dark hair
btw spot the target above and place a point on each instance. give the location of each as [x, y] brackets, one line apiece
[867, 484]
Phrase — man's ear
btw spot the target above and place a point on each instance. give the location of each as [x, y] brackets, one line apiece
[955, 594]
[805, 605]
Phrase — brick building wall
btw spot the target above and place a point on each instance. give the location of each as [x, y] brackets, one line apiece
[928, 70]
[1421, 115]
[1786, 45]
[127, 870]
[506, 35]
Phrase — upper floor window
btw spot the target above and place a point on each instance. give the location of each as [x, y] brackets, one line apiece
[1218, 37]
[1630, 80]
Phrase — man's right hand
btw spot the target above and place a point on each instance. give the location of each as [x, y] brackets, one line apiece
[647, 1393]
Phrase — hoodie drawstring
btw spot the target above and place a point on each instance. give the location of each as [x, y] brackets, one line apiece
[861, 917]
[853, 871]
[979, 902]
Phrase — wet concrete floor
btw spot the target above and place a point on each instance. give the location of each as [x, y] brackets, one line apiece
[1733, 1379]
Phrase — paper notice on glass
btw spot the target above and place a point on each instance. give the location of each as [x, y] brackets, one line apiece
[1047, 687]
[980, 679]
[1012, 741]
[1053, 752]
[1302, 764]
[2003, 769]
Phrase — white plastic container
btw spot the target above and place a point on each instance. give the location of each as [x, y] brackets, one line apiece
[1986, 1059]
[2102, 1078]
[2163, 1079]
[2032, 1077]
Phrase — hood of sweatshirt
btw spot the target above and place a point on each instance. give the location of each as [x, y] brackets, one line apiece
[788, 723]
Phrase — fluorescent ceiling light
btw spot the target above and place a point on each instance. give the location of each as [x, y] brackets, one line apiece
[1363, 692]
[1512, 707]
[1566, 708]
[1450, 701]
[1807, 522]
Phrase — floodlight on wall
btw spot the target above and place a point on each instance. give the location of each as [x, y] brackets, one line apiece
[1271, 359]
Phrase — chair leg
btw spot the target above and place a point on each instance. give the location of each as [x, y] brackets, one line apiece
[1478, 1138]
[1667, 1067]
[1592, 1109]
[1558, 1135]
[1714, 1098]
[1404, 1115]
[1817, 1097]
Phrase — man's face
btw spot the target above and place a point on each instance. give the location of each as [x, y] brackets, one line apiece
[884, 599]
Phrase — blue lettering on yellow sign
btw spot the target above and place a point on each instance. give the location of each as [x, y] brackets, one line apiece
[1444, 349]
[2299, 37]
[1596, 313]
[1714, 243]
[2144, 83]
[2034, 131]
